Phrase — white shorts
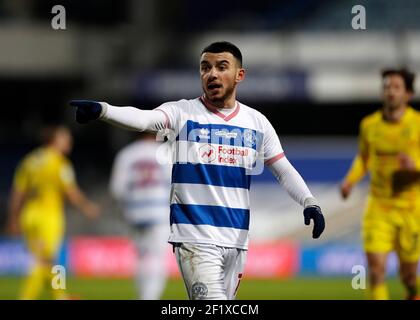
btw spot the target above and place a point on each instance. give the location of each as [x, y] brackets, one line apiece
[210, 272]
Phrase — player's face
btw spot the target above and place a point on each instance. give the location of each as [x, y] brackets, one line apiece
[395, 93]
[220, 73]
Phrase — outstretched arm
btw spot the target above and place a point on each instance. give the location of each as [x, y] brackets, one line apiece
[296, 187]
[126, 117]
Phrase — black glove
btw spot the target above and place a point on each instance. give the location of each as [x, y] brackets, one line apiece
[86, 110]
[314, 212]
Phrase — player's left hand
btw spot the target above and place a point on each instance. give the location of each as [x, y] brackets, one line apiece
[406, 162]
[345, 189]
[92, 210]
[314, 213]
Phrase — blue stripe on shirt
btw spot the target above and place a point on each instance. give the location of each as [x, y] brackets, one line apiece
[210, 215]
[210, 174]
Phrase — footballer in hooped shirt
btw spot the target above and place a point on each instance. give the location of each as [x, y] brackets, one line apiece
[220, 143]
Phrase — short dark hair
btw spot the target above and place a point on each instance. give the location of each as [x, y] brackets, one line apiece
[405, 74]
[224, 46]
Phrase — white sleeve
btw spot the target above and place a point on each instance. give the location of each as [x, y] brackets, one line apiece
[292, 181]
[119, 175]
[272, 149]
[133, 118]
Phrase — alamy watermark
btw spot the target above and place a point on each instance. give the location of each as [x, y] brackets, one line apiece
[58, 281]
[358, 281]
[358, 22]
[58, 22]
[234, 147]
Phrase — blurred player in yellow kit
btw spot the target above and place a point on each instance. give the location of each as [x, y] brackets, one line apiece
[43, 179]
[389, 149]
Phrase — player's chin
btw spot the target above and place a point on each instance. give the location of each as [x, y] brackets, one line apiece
[214, 95]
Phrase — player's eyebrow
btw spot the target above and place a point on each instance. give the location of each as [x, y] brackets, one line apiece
[205, 62]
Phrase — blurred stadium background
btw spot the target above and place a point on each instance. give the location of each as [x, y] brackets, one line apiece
[309, 72]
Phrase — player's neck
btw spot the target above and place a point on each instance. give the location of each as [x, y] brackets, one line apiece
[393, 114]
[53, 148]
[228, 103]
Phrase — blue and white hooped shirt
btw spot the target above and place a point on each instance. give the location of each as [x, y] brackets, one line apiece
[215, 156]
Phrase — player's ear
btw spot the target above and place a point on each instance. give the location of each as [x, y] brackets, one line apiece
[240, 75]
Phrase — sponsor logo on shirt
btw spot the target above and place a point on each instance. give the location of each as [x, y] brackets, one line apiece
[207, 153]
[223, 154]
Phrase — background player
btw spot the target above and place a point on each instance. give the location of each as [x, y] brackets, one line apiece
[219, 143]
[42, 180]
[389, 148]
[141, 184]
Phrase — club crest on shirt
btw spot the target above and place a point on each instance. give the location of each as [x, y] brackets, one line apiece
[199, 291]
[204, 133]
[250, 138]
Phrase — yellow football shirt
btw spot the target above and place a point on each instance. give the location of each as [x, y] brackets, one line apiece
[382, 143]
[44, 175]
